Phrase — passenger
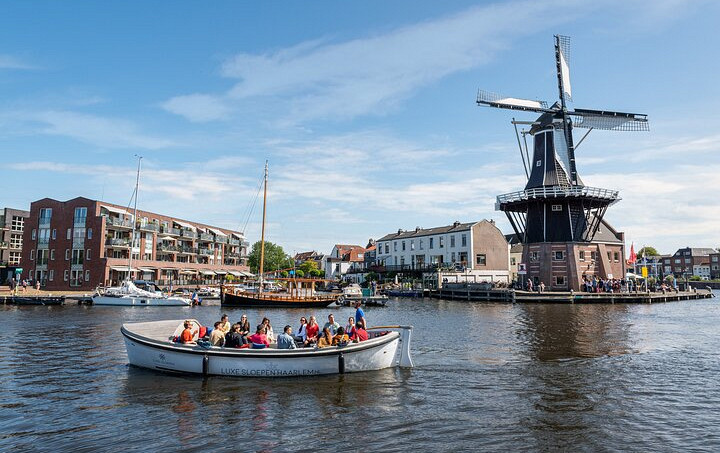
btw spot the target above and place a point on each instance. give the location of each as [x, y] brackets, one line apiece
[234, 339]
[360, 332]
[259, 340]
[217, 337]
[340, 338]
[186, 337]
[285, 339]
[359, 314]
[244, 326]
[312, 331]
[331, 324]
[302, 331]
[350, 327]
[224, 324]
[268, 330]
[326, 339]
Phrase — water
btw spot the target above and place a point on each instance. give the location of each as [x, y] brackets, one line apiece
[488, 377]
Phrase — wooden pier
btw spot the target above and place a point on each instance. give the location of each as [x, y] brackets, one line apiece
[481, 293]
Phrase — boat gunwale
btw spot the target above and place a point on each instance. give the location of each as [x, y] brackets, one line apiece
[261, 353]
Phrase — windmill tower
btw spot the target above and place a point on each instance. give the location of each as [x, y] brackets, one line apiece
[557, 216]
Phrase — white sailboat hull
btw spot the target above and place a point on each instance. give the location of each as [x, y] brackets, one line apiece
[145, 349]
[132, 301]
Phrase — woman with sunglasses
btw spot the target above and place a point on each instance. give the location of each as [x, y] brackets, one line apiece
[302, 331]
[244, 328]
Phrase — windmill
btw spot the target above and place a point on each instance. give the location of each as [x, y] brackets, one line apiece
[555, 205]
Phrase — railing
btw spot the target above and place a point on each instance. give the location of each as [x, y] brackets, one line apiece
[170, 231]
[188, 234]
[43, 242]
[117, 242]
[221, 239]
[78, 243]
[209, 252]
[233, 255]
[116, 222]
[44, 222]
[79, 222]
[206, 237]
[232, 241]
[558, 192]
[188, 250]
[167, 248]
[150, 227]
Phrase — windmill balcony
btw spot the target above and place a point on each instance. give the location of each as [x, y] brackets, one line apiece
[550, 192]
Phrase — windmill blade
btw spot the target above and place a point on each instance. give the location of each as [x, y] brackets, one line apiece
[608, 120]
[504, 102]
[562, 59]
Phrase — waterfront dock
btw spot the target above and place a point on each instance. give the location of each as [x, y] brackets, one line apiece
[481, 293]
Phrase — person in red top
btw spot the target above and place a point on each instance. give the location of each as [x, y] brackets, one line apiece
[186, 337]
[312, 329]
[360, 332]
[258, 339]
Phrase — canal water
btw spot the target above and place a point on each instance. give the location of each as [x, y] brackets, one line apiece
[488, 377]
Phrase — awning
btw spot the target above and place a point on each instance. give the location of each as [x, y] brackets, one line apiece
[116, 210]
[185, 225]
[236, 273]
[239, 236]
[221, 272]
[169, 268]
[188, 271]
[122, 268]
[147, 269]
[216, 232]
[207, 272]
[167, 238]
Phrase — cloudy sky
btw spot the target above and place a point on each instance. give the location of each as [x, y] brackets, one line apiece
[365, 110]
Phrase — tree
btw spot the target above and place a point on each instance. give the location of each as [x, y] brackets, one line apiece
[647, 251]
[299, 273]
[316, 273]
[307, 267]
[275, 258]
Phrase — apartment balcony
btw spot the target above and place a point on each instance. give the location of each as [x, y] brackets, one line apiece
[43, 242]
[188, 234]
[233, 255]
[221, 239]
[232, 241]
[170, 231]
[117, 243]
[168, 248]
[207, 237]
[44, 222]
[79, 222]
[150, 227]
[207, 252]
[188, 251]
[118, 224]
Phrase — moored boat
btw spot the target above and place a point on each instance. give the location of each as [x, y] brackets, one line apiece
[129, 295]
[150, 345]
[354, 293]
[38, 300]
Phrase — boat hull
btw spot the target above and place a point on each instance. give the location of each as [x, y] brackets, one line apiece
[134, 301]
[41, 300]
[269, 300]
[392, 349]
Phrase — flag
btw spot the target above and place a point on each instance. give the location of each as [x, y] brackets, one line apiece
[633, 256]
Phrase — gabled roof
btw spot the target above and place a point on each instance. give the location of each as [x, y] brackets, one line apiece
[417, 232]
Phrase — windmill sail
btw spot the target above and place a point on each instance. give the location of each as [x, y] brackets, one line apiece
[563, 52]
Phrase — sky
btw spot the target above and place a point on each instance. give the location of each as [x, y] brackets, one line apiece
[365, 111]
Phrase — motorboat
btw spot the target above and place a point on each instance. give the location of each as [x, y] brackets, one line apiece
[354, 293]
[129, 295]
[150, 345]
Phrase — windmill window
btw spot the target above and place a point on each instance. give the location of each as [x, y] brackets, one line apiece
[533, 256]
[557, 207]
[582, 255]
[538, 163]
[559, 256]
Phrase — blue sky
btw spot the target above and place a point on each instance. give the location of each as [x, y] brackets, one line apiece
[365, 110]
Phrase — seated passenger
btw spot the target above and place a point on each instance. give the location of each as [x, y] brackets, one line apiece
[217, 337]
[259, 339]
[360, 332]
[186, 337]
[331, 324]
[244, 326]
[340, 338]
[285, 340]
[350, 327]
[326, 339]
[224, 324]
[312, 331]
[234, 338]
[268, 330]
[302, 331]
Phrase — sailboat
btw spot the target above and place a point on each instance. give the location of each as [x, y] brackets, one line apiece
[127, 294]
[295, 296]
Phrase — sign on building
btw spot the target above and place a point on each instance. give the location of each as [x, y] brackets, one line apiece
[522, 270]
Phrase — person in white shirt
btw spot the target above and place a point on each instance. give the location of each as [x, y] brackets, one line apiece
[302, 330]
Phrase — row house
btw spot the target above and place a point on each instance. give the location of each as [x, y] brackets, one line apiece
[690, 261]
[477, 248]
[12, 225]
[342, 258]
[82, 243]
[318, 258]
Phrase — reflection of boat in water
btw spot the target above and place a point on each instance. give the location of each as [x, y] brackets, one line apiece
[128, 294]
[150, 345]
[295, 295]
[354, 293]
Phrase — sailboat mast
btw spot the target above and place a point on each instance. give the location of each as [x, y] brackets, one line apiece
[262, 233]
[132, 238]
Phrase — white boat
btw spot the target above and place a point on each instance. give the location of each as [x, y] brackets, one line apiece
[150, 345]
[129, 295]
[354, 293]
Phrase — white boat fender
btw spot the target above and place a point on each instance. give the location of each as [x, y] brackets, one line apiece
[341, 363]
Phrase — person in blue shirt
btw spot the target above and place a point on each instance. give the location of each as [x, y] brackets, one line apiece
[359, 314]
[285, 339]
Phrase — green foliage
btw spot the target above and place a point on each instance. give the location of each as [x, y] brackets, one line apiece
[275, 258]
[229, 277]
[308, 266]
[284, 274]
[316, 273]
[371, 276]
[299, 273]
[695, 278]
[647, 251]
[669, 278]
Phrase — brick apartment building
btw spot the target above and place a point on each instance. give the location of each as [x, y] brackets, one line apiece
[81, 243]
[12, 224]
[689, 261]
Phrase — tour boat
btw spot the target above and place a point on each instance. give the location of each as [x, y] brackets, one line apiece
[294, 295]
[150, 345]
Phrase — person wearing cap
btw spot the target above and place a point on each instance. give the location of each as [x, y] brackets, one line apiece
[285, 339]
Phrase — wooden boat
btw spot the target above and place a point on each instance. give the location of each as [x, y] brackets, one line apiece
[150, 345]
[294, 296]
[38, 300]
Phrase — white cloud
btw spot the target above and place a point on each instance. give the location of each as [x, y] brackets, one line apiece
[198, 107]
[10, 62]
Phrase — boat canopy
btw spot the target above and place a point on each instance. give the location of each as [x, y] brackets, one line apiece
[116, 210]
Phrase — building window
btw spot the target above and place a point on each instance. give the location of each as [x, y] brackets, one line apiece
[18, 223]
[452, 257]
[51, 275]
[678, 261]
[80, 213]
[45, 214]
[582, 255]
[87, 276]
[387, 248]
[394, 246]
[560, 280]
[32, 255]
[69, 233]
[480, 259]
[16, 241]
[714, 259]
[402, 261]
[442, 241]
[533, 256]
[431, 242]
[688, 260]
[34, 234]
[616, 256]
[66, 275]
[403, 246]
[89, 233]
[77, 257]
[512, 261]
[42, 257]
[14, 258]
[556, 207]
[593, 256]
[87, 255]
[558, 255]
[421, 244]
[463, 240]
[52, 255]
[452, 241]
[412, 244]
[54, 233]
[67, 254]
